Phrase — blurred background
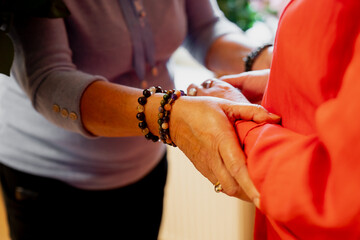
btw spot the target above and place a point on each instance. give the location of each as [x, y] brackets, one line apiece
[192, 210]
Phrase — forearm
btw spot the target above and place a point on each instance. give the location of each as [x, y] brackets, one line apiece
[226, 55]
[110, 110]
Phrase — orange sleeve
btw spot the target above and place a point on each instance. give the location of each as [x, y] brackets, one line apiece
[310, 184]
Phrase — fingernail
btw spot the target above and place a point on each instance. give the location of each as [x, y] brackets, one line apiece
[274, 116]
[257, 202]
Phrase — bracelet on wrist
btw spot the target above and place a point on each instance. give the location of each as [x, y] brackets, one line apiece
[169, 98]
[252, 56]
[164, 114]
[141, 112]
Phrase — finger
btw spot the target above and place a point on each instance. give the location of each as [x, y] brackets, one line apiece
[208, 83]
[192, 85]
[228, 183]
[251, 112]
[208, 173]
[238, 80]
[211, 86]
[260, 115]
[192, 89]
[212, 83]
[205, 89]
[234, 160]
[235, 80]
[201, 163]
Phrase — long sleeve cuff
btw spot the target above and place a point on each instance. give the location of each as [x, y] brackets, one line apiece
[58, 98]
[243, 129]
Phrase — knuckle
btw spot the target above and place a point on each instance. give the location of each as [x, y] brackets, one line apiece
[192, 85]
[236, 168]
[232, 191]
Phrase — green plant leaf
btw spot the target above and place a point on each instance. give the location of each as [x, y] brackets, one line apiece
[239, 12]
[6, 53]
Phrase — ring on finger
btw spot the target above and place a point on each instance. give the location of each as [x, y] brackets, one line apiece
[217, 187]
[192, 92]
[207, 84]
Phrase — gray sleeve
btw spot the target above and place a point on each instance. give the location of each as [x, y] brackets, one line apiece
[44, 70]
[206, 22]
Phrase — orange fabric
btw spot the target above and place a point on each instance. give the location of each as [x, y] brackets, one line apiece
[308, 169]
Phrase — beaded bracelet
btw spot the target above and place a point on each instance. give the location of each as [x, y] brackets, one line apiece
[164, 114]
[251, 57]
[141, 115]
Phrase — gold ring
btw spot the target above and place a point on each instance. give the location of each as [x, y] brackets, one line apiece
[192, 92]
[217, 187]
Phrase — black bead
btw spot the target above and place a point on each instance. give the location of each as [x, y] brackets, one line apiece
[149, 136]
[142, 100]
[158, 89]
[142, 125]
[165, 119]
[140, 116]
[164, 131]
[147, 93]
[155, 138]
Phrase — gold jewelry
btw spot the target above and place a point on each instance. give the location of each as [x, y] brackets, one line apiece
[217, 187]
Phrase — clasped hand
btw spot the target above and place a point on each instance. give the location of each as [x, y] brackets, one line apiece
[203, 128]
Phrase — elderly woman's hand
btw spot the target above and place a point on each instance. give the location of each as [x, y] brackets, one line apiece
[238, 87]
[203, 128]
[252, 84]
[216, 88]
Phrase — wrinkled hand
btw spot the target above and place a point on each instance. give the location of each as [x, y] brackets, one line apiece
[251, 84]
[239, 87]
[203, 128]
[216, 88]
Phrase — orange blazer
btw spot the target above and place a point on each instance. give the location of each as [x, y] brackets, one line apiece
[308, 169]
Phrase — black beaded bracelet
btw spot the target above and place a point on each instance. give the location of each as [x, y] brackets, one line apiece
[251, 57]
[141, 112]
[164, 114]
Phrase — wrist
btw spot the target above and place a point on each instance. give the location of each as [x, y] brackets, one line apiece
[145, 115]
[224, 54]
[264, 53]
[154, 119]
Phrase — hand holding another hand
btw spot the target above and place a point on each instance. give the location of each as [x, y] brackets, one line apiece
[244, 87]
[251, 84]
[216, 88]
[203, 128]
